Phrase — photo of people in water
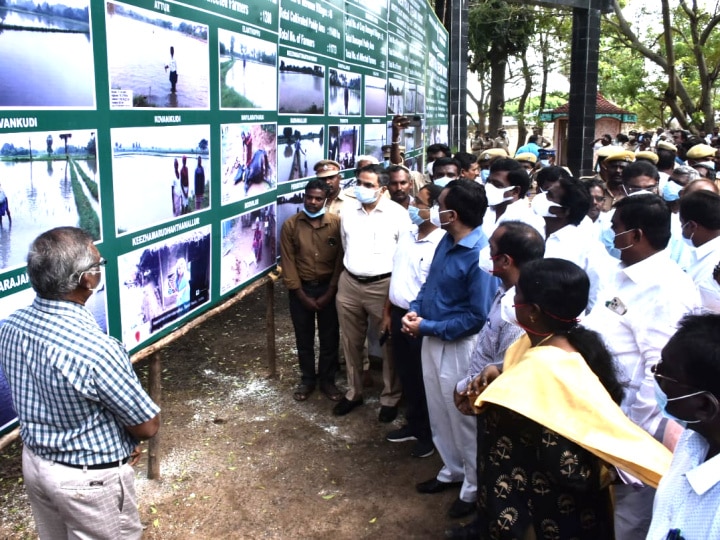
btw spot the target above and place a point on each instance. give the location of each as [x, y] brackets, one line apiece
[248, 71]
[301, 87]
[156, 60]
[343, 144]
[344, 93]
[33, 36]
[248, 246]
[248, 160]
[163, 283]
[47, 179]
[375, 96]
[159, 173]
[299, 148]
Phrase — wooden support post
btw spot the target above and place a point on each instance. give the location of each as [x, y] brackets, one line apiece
[155, 391]
[270, 326]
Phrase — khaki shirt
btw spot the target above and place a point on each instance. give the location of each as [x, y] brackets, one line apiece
[311, 253]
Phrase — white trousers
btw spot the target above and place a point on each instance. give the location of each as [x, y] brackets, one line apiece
[454, 434]
[79, 504]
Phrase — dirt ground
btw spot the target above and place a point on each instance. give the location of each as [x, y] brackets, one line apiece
[242, 459]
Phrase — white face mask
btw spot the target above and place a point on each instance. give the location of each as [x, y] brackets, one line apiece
[486, 263]
[101, 281]
[507, 307]
[687, 240]
[541, 205]
[496, 195]
[435, 216]
[366, 195]
[429, 167]
[443, 181]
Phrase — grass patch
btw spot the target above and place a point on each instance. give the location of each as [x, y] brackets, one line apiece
[89, 221]
[89, 182]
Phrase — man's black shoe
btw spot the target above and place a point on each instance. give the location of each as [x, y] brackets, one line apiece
[435, 486]
[387, 414]
[344, 406]
[460, 508]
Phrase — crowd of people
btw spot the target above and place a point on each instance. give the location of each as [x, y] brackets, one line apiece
[554, 339]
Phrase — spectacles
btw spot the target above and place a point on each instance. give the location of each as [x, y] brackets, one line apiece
[599, 199]
[96, 267]
[660, 377]
[368, 185]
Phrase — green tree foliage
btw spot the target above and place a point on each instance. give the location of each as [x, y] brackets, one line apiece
[663, 67]
[497, 31]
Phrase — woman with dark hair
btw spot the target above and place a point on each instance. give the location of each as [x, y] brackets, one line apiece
[552, 419]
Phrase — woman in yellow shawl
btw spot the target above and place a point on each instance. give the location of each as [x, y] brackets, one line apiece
[549, 417]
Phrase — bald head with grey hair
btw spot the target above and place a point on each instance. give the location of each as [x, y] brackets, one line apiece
[56, 260]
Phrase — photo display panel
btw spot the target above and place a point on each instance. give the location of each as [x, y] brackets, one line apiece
[181, 135]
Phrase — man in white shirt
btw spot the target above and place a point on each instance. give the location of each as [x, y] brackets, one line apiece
[370, 231]
[700, 222]
[567, 203]
[416, 248]
[688, 382]
[636, 312]
[506, 189]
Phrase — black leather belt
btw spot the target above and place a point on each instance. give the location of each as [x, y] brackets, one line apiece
[97, 467]
[314, 282]
[369, 279]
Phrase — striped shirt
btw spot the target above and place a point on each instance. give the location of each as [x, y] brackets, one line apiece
[73, 386]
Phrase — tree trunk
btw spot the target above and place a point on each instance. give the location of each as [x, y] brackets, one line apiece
[497, 93]
[527, 78]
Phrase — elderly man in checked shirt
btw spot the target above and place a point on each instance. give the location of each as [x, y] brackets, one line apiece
[81, 407]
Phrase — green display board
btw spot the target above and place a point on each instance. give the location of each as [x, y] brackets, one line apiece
[179, 134]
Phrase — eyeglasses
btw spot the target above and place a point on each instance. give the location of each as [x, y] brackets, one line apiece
[660, 377]
[96, 267]
[599, 199]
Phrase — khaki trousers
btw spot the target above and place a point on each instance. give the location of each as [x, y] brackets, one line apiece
[357, 303]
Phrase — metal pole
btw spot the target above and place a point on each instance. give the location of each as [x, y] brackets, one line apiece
[155, 391]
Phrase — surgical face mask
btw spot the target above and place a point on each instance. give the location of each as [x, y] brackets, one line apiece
[484, 175]
[620, 234]
[496, 195]
[687, 240]
[485, 261]
[415, 216]
[101, 282]
[541, 206]
[443, 181]
[429, 167]
[662, 401]
[671, 191]
[507, 307]
[435, 216]
[314, 215]
[366, 195]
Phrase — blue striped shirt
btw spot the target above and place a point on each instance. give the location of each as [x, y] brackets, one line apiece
[73, 386]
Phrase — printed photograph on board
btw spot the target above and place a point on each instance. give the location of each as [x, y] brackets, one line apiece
[344, 144]
[248, 160]
[248, 71]
[396, 96]
[301, 87]
[159, 173]
[375, 136]
[47, 179]
[375, 96]
[163, 283]
[155, 60]
[345, 91]
[46, 54]
[299, 148]
[248, 246]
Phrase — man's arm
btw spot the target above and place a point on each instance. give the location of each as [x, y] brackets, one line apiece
[287, 254]
[144, 431]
